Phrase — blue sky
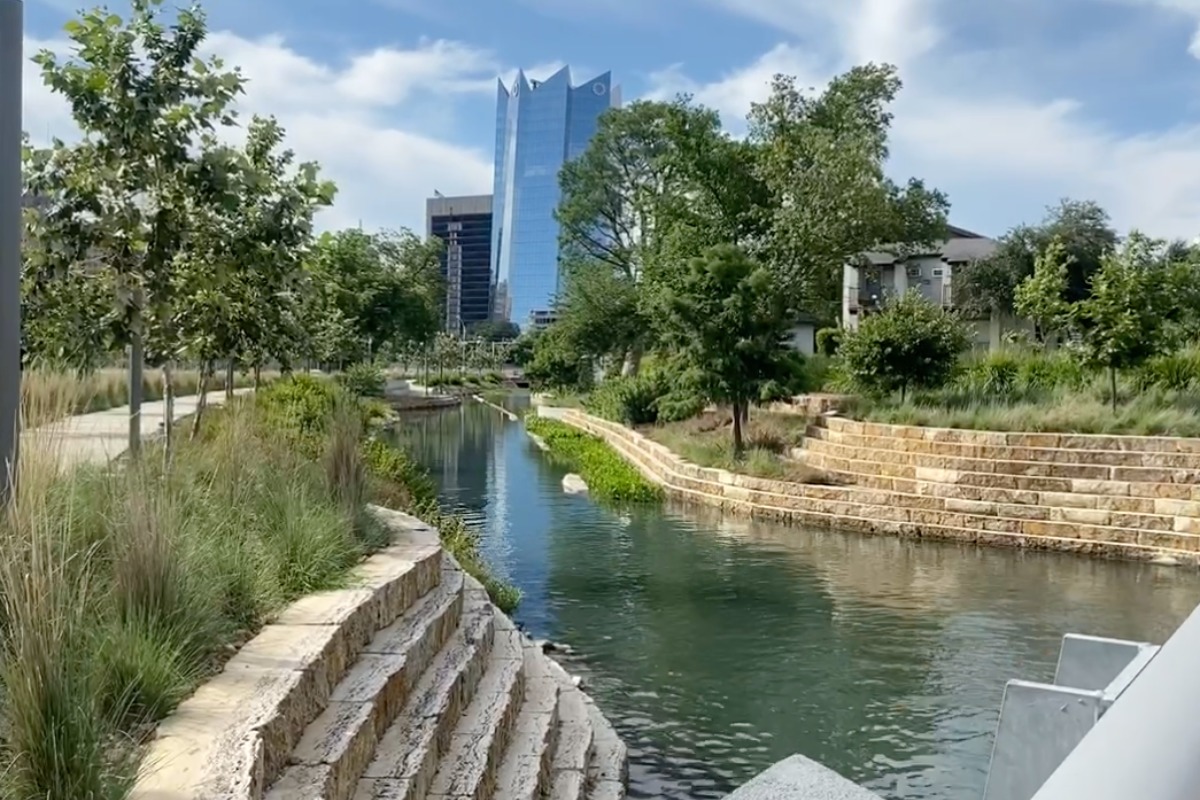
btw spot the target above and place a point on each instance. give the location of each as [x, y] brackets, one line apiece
[1008, 104]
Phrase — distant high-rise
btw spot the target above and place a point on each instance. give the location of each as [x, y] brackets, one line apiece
[464, 224]
[539, 126]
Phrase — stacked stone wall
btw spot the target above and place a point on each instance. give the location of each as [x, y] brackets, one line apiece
[1117, 496]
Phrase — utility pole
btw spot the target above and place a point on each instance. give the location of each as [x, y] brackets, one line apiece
[12, 29]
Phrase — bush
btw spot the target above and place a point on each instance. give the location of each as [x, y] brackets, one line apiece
[607, 475]
[631, 400]
[829, 341]
[1175, 372]
[911, 344]
[364, 380]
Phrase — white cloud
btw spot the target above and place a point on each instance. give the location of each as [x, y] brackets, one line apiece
[351, 118]
[999, 156]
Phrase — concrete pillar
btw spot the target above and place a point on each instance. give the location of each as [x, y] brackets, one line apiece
[11, 190]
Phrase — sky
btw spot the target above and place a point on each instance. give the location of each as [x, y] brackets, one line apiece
[1008, 105]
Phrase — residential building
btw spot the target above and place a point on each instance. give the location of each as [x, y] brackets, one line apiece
[867, 286]
[464, 224]
[539, 126]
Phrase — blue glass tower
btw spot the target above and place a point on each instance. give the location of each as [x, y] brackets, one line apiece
[539, 126]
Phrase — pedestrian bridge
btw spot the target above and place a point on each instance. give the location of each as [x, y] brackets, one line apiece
[1119, 722]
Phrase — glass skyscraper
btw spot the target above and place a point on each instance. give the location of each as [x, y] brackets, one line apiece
[539, 126]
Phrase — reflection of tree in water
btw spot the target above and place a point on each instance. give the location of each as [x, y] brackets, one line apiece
[710, 652]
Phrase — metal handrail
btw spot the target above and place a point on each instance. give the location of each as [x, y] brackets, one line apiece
[1147, 746]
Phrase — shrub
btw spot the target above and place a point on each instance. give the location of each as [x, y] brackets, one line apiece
[364, 380]
[1175, 372]
[607, 475]
[631, 400]
[910, 344]
[829, 340]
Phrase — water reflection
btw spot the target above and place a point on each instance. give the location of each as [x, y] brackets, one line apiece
[719, 645]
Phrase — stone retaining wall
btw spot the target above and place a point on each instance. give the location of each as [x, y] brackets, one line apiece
[1021, 490]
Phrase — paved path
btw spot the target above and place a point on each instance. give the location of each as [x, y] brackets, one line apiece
[103, 435]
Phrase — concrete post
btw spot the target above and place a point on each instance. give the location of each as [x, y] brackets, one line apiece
[11, 190]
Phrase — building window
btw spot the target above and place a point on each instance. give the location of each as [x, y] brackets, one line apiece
[937, 273]
[914, 271]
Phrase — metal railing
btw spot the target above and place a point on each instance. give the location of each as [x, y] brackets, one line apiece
[1147, 745]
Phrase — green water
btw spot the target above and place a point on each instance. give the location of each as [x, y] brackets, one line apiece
[718, 646]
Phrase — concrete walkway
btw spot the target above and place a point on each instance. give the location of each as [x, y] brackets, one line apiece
[101, 436]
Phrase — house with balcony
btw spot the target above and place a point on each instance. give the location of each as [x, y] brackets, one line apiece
[878, 275]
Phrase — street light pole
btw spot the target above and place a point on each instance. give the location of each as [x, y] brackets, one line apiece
[11, 55]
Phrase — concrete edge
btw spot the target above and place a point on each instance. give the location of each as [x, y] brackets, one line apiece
[234, 735]
[801, 778]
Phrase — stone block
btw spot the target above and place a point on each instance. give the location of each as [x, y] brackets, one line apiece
[1082, 516]
[1177, 508]
[1068, 500]
[1100, 487]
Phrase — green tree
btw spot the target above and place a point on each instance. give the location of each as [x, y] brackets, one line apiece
[910, 344]
[385, 286]
[1127, 316]
[141, 97]
[495, 330]
[624, 203]
[1082, 228]
[1042, 297]
[726, 324]
[239, 282]
[822, 160]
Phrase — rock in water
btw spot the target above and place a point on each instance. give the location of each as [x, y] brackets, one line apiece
[573, 484]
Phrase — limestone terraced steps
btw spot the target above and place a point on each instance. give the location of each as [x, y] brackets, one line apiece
[408, 685]
[981, 513]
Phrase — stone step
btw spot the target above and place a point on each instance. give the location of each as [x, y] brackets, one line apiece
[525, 773]
[409, 752]
[574, 749]
[337, 747]
[235, 735]
[471, 764]
[608, 771]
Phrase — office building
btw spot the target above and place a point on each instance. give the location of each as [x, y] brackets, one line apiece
[464, 224]
[539, 126]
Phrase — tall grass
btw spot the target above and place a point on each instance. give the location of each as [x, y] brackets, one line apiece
[1023, 390]
[707, 441]
[52, 395]
[122, 588]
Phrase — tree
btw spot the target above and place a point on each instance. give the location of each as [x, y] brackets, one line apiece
[822, 160]
[623, 201]
[726, 324]
[495, 330]
[385, 286]
[239, 280]
[141, 98]
[910, 344]
[1042, 297]
[1125, 319]
[1081, 227]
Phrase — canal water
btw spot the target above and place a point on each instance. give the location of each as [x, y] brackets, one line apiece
[718, 645]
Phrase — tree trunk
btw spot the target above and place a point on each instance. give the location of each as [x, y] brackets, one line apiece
[205, 371]
[168, 410]
[903, 392]
[257, 376]
[1112, 386]
[633, 361]
[229, 375]
[136, 354]
[738, 444]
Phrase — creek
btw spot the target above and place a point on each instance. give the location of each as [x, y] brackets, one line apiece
[718, 645]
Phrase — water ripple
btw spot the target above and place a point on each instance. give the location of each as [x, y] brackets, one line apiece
[718, 646]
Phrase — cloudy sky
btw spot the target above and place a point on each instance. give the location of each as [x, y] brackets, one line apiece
[1008, 105]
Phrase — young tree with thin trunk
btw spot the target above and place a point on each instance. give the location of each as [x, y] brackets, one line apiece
[141, 97]
[726, 323]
